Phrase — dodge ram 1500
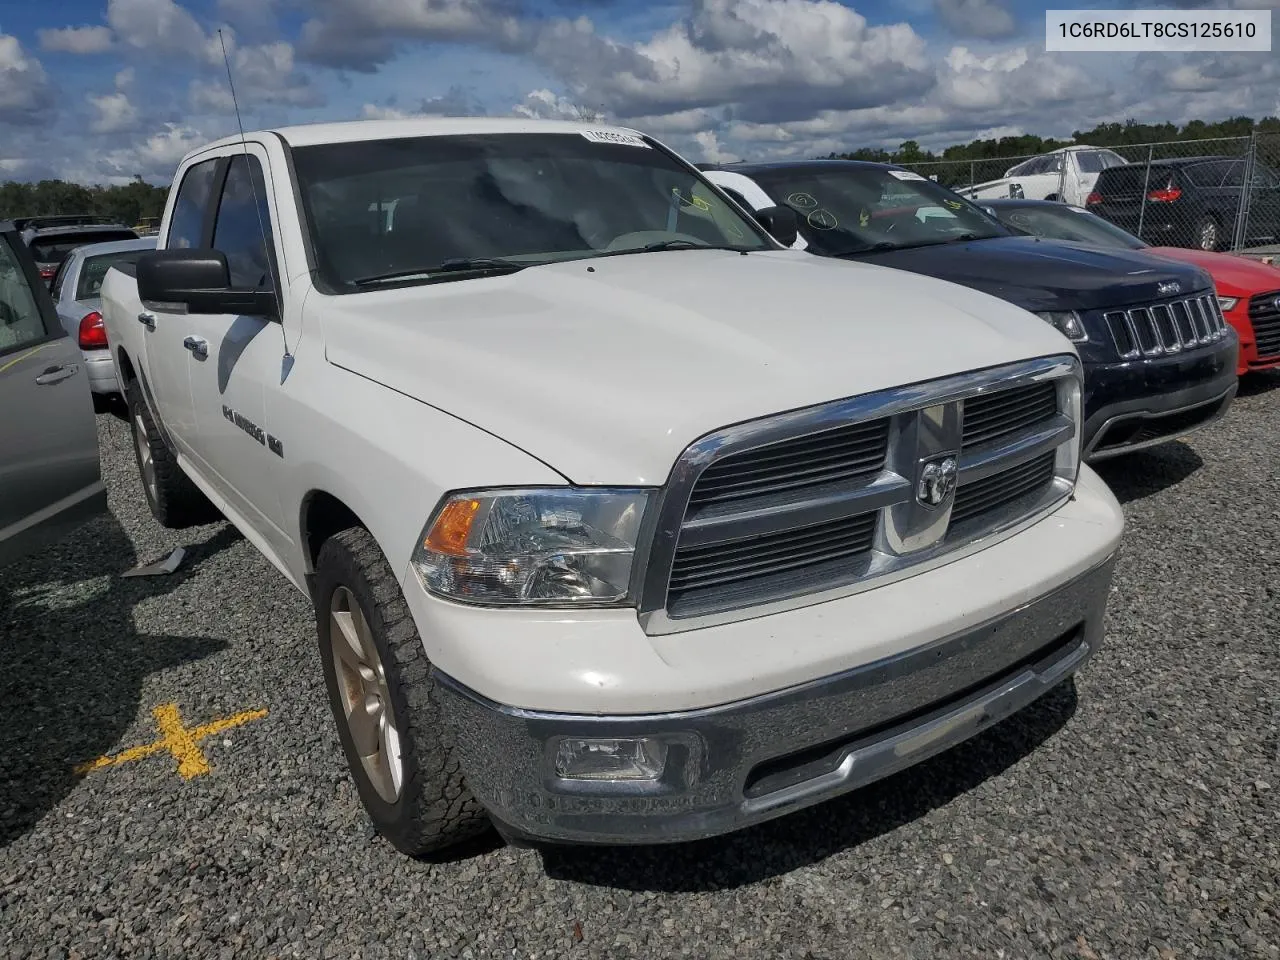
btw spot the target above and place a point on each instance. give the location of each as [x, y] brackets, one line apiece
[622, 522]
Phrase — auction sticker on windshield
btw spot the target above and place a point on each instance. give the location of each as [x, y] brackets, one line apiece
[905, 175]
[610, 136]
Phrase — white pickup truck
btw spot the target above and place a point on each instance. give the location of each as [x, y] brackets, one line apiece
[622, 522]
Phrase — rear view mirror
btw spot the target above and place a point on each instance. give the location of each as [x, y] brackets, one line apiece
[199, 280]
[781, 222]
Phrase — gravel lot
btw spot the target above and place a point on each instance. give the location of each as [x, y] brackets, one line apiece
[1134, 816]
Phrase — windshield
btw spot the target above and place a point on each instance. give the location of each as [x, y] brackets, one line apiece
[95, 270]
[849, 210]
[425, 209]
[1061, 222]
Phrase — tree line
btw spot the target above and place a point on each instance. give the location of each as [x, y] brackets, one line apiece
[127, 204]
[1103, 135]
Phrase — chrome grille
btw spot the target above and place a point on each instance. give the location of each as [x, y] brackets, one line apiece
[843, 455]
[767, 566]
[1165, 328]
[992, 417]
[1000, 489]
[1264, 316]
[837, 498]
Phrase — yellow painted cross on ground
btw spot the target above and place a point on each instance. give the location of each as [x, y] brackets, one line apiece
[181, 741]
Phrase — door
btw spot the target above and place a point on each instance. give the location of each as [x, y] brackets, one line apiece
[165, 375]
[231, 359]
[50, 480]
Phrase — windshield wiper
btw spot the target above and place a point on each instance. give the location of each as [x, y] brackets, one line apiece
[686, 245]
[490, 265]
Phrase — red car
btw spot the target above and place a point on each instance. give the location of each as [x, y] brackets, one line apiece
[1248, 290]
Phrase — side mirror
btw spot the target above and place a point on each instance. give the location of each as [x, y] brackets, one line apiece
[199, 280]
[781, 222]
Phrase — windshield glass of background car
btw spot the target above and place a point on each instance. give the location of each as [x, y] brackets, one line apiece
[383, 206]
[854, 209]
[95, 270]
[1063, 223]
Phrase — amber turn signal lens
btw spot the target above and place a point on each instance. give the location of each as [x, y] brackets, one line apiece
[448, 535]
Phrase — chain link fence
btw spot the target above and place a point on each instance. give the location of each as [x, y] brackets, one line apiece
[1221, 194]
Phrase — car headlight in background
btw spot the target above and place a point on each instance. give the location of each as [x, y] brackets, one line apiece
[1227, 303]
[1068, 323]
[559, 547]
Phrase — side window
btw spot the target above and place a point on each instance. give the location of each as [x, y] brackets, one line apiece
[1234, 176]
[186, 226]
[20, 320]
[60, 278]
[1205, 174]
[243, 219]
[738, 198]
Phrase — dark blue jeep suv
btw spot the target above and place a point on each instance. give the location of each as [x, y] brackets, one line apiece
[1159, 358]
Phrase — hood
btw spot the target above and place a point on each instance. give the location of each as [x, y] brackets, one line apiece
[607, 369]
[1041, 274]
[1233, 276]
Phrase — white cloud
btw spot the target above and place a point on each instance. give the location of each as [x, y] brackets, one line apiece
[76, 39]
[161, 26]
[769, 59]
[545, 105]
[113, 113]
[711, 149]
[125, 78]
[25, 93]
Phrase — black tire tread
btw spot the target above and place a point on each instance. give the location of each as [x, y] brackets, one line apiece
[436, 808]
[179, 502]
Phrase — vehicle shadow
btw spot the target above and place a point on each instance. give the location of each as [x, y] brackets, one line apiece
[1258, 382]
[811, 835]
[1134, 476]
[72, 663]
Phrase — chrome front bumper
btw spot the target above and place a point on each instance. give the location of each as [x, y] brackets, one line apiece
[742, 763]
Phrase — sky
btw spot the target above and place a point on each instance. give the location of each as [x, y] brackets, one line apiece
[101, 91]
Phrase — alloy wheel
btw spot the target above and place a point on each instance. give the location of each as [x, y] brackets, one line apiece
[365, 696]
[1208, 235]
[146, 463]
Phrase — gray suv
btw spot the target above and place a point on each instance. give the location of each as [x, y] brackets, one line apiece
[51, 481]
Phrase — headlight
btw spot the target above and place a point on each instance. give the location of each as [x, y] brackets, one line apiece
[1228, 303]
[558, 547]
[1068, 323]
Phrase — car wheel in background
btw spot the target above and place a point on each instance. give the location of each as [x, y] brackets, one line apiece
[397, 743]
[174, 500]
[1207, 234]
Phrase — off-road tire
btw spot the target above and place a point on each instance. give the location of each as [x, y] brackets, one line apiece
[434, 809]
[175, 501]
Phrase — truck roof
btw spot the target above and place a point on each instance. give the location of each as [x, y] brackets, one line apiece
[349, 131]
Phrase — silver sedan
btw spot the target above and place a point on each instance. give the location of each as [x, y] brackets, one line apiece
[75, 290]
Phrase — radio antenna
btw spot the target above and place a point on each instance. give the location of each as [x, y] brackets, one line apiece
[253, 189]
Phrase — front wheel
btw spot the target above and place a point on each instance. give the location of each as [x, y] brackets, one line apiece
[398, 745]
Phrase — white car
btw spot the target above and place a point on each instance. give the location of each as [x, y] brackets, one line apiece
[76, 289]
[1066, 174]
[622, 523]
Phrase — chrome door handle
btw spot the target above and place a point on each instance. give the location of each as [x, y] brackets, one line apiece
[57, 374]
[199, 347]
[147, 319]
